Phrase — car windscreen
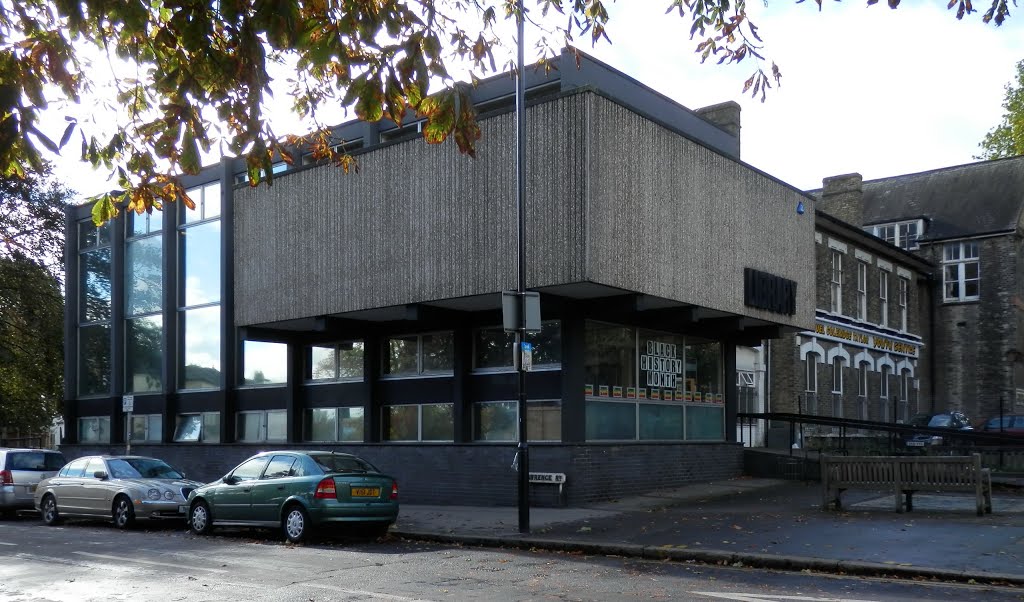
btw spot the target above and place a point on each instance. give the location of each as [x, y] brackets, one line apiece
[920, 420]
[334, 463]
[940, 421]
[145, 468]
[38, 461]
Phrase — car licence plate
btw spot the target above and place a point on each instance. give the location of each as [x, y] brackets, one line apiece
[915, 443]
[183, 509]
[366, 492]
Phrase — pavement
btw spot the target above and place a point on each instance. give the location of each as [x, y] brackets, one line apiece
[764, 523]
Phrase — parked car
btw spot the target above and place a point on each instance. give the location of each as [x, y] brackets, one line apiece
[952, 421]
[20, 473]
[122, 488]
[297, 491]
[1007, 424]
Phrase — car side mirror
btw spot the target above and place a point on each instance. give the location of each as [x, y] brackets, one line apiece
[230, 480]
[100, 474]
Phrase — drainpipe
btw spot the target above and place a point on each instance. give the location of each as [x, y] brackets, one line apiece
[931, 339]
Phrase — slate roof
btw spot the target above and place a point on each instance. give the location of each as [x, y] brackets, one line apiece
[965, 200]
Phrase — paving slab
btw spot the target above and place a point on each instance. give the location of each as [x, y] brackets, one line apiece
[762, 522]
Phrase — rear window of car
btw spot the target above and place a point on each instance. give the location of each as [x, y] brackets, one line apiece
[940, 420]
[332, 463]
[36, 461]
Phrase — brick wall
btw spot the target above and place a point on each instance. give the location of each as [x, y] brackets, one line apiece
[482, 474]
[974, 366]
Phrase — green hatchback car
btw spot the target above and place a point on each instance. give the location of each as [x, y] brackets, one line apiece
[297, 491]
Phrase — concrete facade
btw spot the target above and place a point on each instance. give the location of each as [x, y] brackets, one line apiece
[639, 242]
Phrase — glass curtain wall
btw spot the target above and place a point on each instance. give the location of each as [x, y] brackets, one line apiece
[143, 286]
[94, 293]
[199, 291]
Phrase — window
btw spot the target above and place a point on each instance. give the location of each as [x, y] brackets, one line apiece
[811, 380]
[264, 363]
[276, 168]
[862, 379]
[862, 290]
[419, 422]
[264, 425]
[334, 424]
[94, 429]
[904, 294]
[418, 355]
[202, 428]
[208, 201]
[746, 390]
[94, 300]
[493, 347]
[499, 421]
[280, 467]
[143, 303]
[960, 271]
[837, 282]
[199, 292]
[883, 297]
[884, 384]
[250, 470]
[345, 147]
[407, 131]
[341, 361]
[146, 428]
[837, 375]
[903, 234]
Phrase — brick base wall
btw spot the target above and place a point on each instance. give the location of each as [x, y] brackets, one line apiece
[482, 475]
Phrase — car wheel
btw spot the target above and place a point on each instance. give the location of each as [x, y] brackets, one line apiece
[199, 519]
[295, 523]
[123, 512]
[50, 514]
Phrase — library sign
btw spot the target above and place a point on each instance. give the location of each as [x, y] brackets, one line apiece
[866, 339]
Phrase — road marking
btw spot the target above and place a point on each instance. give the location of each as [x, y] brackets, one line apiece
[359, 592]
[744, 597]
[152, 562]
[4, 543]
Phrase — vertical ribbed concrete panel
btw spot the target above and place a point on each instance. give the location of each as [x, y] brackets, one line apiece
[417, 223]
[670, 218]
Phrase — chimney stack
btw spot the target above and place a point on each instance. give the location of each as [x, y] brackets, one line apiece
[725, 115]
[842, 197]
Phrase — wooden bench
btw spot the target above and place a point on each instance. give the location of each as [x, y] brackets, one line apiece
[904, 475]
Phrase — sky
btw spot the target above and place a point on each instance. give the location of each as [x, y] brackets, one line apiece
[864, 89]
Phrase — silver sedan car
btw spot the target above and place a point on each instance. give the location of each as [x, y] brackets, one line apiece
[122, 488]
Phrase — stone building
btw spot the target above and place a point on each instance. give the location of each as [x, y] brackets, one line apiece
[966, 221]
[868, 355]
[362, 312]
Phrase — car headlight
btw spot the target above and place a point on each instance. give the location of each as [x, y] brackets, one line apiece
[154, 494]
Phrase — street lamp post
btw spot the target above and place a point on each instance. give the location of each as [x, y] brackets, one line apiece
[522, 450]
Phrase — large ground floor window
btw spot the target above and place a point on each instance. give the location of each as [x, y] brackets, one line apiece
[499, 420]
[629, 421]
[419, 422]
[649, 385]
[334, 424]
